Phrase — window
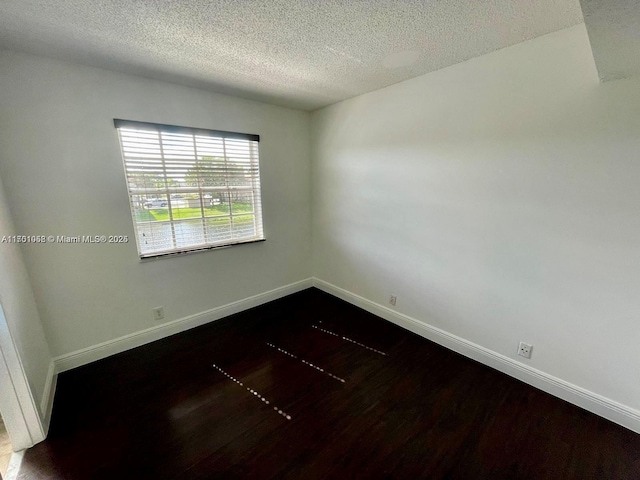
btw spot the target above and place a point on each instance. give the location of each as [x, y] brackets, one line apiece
[190, 189]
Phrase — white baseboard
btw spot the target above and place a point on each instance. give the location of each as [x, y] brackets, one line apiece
[46, 406]
[602, 406]
[13, 469]
[133, 340]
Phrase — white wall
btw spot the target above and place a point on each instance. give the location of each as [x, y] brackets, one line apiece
[21, 332]
[499, 199]
[63, 175]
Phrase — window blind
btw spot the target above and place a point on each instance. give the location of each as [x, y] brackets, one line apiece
[190, 189]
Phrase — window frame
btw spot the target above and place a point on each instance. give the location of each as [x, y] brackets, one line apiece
[255, 189]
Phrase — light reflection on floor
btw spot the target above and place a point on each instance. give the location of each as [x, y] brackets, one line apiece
[5, 449]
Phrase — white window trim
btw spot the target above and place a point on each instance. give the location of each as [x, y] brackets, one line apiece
[160, 163]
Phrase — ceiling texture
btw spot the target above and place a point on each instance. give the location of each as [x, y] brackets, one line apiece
[298, 53]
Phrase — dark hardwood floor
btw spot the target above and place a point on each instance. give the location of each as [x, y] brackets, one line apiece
[407, 409]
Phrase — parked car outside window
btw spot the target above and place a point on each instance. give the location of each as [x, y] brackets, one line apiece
[155, 203]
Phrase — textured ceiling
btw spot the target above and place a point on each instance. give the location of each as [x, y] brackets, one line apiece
[614, 32]
[297, 53]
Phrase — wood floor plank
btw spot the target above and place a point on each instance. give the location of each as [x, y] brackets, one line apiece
[163, 411]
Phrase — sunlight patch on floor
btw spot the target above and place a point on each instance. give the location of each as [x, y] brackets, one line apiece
[5, 449]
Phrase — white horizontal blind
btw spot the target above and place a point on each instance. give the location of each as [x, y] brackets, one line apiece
[190, 189]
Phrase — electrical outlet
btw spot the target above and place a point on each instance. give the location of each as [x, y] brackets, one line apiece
[393, 299]
[524, 350]
[158, 313]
